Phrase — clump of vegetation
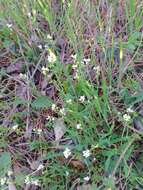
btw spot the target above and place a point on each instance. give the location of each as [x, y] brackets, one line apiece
[71, 100]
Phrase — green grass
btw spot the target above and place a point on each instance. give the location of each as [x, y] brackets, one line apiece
[94, 96]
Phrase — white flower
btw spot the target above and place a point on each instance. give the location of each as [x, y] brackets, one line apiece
[38, 131]
[74, 56]
[51, 57]
[50, 118]
[14, 127]
[29, 14]
[86, 153]
[74, 66]
[129, 110]
[35, 182]
[67, 153]
[82, 99]
[9, 173]
[29, 181]
[40, 46]
[49, 37]
[69, 101]
[45, 70]
[87, 178]
[23, 76]
[3, 180]
[9, 25]
[127, 117]
[78, 126]
[53, 107]
[40, 167]
[62, 111]
[97, 69]
[85, 61]
[76, 76]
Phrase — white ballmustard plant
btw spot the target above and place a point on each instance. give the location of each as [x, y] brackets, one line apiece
[67, 153]
[15, 127]
[126, 117]
[62, 111]
[86, 153]
[53, 107]
[78, 126]
[69, 101]
[3, 180]
[82, 99]
[45, 70]
[52, 57]
[130, 110]
[87, 178]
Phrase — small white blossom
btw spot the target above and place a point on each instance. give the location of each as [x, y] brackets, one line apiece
[38, 131]
[9, 26]
[62, 111]
[69, 101]
[29, 14]
[85, 61]
[23, 76]
[67, 153]
[49, 37]
[53, 107]
[82, 99]
[29, 181]
[74, 56]
[3, 180]
[50, 118]
[40, 46]
[40, 167]
[9, 173]
[76, 76]
[78, 126]
[127, 117]
[129, 110]
[14, 127]
[51, 57]
[35, 182]
[87, 178]
[97, 69]
[74, 66]
[86, 153]
[45, 70]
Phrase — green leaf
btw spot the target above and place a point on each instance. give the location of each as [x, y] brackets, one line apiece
[5, 163]
[41, 102]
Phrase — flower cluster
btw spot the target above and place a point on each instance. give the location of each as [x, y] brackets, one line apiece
[30, 181]
[127, 116]
[38, 131]
[45, 70]
[52, 57]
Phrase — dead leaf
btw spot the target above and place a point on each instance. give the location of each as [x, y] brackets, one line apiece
[78, 164]
[59, 129]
